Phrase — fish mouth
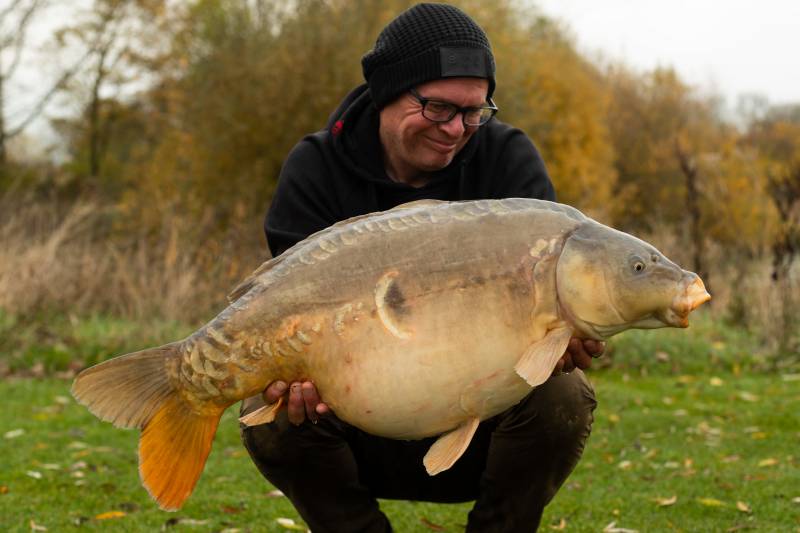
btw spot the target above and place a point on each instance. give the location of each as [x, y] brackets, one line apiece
[693, 296]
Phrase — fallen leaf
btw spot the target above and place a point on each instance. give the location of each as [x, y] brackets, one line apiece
[667, 400]
[743, 507]
[685, 380]
[51, 466]
[680, 412]
[748, 396]
[288, 523]
[758, 435]
[430, 525]
[185, 522]
[275, 494]
[711, 502]
[662, 357]
[612, 528]
[562, 525]
[625, 465]
[770, 461]
[796, 500]
[3, 489]
[34, 474]
[77, 445]
[110, 515]
[730, 459]
[613, 418]
[37, 527]
[230, 509]
[666, 502]
[716, 382]
[62, 400]
[14, 433]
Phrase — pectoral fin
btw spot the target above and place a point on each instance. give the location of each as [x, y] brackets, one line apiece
[539, 360]
[449, 447]
[263, 415]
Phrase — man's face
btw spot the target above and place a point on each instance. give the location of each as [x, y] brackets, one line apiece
[414, 145]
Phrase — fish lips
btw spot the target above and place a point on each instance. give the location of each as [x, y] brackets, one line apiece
[692, 296]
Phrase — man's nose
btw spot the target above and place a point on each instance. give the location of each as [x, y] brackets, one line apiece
[454, 127]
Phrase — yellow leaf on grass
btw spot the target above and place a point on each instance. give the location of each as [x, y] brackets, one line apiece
[613, 418]
[666, 502]
[288, 523]
[770, 461]
[37, 527]
[711, 502]
[562, 525]
[748, 397]
[716, 382]
[109, 515]
[743, 507]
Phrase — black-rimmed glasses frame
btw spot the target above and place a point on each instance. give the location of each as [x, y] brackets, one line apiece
[441, 111]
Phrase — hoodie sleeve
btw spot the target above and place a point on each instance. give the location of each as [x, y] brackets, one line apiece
[302, 203]
[523, 173]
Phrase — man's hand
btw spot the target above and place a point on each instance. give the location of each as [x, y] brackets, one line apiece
[302, 400]
[579, 354]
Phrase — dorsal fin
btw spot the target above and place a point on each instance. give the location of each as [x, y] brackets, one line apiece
[419, 203]
[249, 282]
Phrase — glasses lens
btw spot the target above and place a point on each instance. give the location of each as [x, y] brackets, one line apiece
[478, 116]
[439, 111]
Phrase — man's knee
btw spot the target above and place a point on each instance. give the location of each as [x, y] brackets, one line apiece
[562, 405]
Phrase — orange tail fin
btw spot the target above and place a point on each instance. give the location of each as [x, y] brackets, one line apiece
[134, 390]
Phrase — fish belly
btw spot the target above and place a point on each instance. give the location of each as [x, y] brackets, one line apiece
[445, 358]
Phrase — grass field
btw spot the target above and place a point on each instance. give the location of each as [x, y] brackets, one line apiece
[692, 433]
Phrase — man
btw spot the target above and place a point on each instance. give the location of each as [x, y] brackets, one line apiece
[421, 127]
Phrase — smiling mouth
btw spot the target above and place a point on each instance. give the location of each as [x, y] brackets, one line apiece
[439, 146]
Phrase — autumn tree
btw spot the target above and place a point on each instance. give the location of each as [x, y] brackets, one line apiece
[115, 40]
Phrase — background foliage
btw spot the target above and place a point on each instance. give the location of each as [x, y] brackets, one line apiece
[186, 111]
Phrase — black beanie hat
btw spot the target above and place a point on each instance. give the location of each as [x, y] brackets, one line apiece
[426, 42]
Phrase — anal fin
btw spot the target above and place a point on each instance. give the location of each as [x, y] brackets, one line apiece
[449, 447]
[539, 360]
[263, 415]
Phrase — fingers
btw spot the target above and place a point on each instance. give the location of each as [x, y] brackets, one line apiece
[594, 348]
[311, 400]
[275, 390]
[303, 401]
[296, 408]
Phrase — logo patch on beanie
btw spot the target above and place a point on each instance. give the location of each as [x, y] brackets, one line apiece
[464, 62]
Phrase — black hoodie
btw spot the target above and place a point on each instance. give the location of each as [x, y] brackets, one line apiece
[338, 173]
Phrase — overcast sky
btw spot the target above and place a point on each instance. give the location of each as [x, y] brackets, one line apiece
[728, 46]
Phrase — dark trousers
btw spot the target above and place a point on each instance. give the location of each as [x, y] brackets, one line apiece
[515, 464]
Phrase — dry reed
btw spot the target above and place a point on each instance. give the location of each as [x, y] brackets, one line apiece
[71, 260]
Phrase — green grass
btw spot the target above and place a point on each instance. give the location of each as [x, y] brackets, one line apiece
[694, 418]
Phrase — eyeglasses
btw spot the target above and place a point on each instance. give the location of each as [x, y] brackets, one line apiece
[439, 111]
